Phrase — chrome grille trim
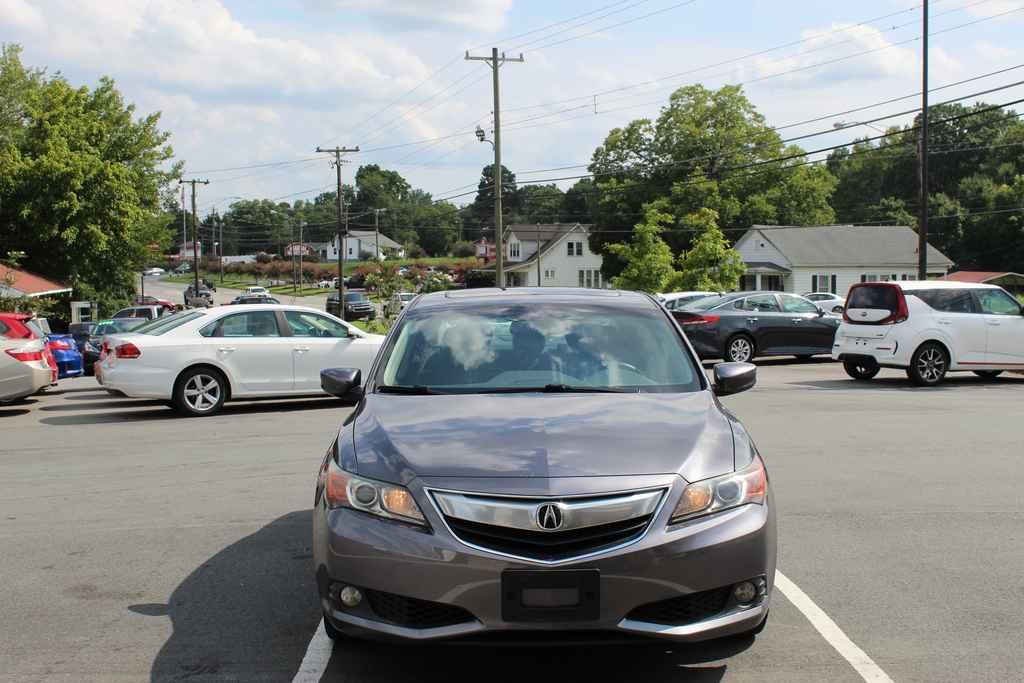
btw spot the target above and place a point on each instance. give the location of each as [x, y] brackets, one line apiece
[661, 492]
[522, 513]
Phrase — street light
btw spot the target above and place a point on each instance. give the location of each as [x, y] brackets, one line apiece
[482, 136]
[840, 125]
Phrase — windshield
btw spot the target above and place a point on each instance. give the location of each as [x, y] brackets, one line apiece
[355, 296]
[406, 297]
[167, 323]
[503, 347]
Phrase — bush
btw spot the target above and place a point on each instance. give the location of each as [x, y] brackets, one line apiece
[414, 250]
[479, 278]
[463, 249]
[366, 255]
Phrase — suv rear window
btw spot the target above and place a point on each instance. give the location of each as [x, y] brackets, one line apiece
[884, 297]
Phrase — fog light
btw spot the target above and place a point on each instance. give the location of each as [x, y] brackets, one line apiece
[350, 596]
[744, 592]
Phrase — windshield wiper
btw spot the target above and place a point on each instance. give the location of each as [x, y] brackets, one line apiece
[415, 389]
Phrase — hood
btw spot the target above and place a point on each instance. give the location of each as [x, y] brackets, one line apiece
[398, 438]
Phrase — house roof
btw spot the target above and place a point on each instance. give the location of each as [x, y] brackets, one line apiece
[25, 283]
[557, 232]
[981, 276]
[848, 245]
[545, 232]
[385, 241]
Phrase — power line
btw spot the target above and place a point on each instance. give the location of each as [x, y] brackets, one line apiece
[621, 23]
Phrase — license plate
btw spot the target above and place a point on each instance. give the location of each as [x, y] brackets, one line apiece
[567, 595]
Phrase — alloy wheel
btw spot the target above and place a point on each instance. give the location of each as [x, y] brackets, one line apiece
[931, 365]
[202, 392]
[740, 350]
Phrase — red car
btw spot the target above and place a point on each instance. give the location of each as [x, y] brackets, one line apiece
[168, 306]
[17, 327]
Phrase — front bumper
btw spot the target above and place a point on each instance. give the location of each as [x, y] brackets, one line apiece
[698, 556]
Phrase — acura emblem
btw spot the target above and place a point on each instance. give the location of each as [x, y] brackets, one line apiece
[549, 517]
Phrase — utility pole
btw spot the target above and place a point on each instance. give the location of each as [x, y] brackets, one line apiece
[302, 224]
[537, 238]
[922, 221]
[342, 231]
[220, 250]
[495, 62]
[195, 232]
[184, 232]
[376, 231]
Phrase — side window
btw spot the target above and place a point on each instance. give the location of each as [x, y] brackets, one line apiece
[251, 324]
[761, 303]
[948, 300]
[794, 304]
[997, 302]
[313, 325]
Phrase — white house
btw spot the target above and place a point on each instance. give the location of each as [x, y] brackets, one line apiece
[551, 255]
[358, 242]
[830, 258]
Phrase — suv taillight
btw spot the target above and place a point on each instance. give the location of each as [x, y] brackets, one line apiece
[25, 356]
[127, 350]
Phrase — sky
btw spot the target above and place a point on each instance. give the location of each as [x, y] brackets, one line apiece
[248, 90]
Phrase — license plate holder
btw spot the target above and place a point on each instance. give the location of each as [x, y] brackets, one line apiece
[550, 595]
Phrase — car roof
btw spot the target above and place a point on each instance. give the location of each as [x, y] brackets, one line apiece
[678, 295]
[529, 295]
[916, 285]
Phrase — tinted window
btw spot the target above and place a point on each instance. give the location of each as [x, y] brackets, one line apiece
[997, 302]
[355, 296]
[250, 324]
[705, 304]
[167, 323]
[796, 304]
[493, 346]
[879, 297]
[305, 324]
[761, 303]
[948, 300]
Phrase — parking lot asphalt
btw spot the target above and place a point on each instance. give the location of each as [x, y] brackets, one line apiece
[142, 546]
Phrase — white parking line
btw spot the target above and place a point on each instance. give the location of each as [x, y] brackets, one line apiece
[828, 629]
[318, 654]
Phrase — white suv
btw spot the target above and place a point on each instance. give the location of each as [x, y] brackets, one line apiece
[929, 328]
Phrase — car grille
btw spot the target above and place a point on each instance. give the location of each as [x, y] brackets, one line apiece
[414, 613]
[546, 545]
[685, 609]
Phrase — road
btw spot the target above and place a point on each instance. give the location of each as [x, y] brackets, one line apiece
[174, 291]
[138, 545]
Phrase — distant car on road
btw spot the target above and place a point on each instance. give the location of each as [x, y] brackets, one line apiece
[147, 300]
[744, 325]
[676, 300]
[198, 359]
[357, 305]
[257, 290]
[150, 272]
[929, 328]
[149, 312]
[826, 301]
[183, 267]
[327, 284]
[397, 303]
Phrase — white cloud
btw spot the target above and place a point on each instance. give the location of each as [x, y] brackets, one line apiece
[21, 15]
[485, 16]
[994, 53]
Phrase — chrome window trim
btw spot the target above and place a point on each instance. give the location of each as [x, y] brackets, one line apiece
[665, 490]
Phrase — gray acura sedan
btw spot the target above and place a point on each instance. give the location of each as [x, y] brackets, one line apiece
[526, 461]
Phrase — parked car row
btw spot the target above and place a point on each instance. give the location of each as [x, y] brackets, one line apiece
[26, 341]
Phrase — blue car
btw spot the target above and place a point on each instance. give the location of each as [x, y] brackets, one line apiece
[65, 352]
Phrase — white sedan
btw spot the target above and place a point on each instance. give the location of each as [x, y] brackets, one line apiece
[197, 359]
[826, 301]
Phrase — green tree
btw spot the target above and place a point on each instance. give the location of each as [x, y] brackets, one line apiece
[576, 205]
[710, 265]
[539, 203]
[81, 180]
[647, 258]
[483, 204]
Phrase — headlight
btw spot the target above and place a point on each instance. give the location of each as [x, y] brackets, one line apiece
[749, 485]
[342, 489]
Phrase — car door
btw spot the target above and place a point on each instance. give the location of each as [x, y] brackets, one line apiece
[250, 346]
[810, 331]
[319, 342]
[765, 322]
[958, 317]
[1005, 325]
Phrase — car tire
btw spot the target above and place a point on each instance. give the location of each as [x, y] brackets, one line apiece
[739, 349]
[861, 370]
[837, 309]
[988, 374]
[200, 392]
[928, 365]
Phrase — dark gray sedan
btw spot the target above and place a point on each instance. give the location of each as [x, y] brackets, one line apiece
[741, 326]
[530, 461]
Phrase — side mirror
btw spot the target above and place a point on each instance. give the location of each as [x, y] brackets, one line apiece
[732, 378]
[343, 383]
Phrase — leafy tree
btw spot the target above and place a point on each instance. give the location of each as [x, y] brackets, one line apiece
[648, 260]
[81, 179]
[576, 205]
[378, 188]
[539, 203]
[710, 264]
[483, 204]
[463, 249]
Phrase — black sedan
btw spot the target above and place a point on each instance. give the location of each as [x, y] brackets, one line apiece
[744, 325]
